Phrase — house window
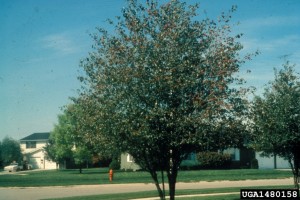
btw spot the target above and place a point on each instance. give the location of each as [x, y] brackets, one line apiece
[31, 145]
[129, 158]
[234, 153]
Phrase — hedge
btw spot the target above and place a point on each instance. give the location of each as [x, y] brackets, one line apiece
[213, 160]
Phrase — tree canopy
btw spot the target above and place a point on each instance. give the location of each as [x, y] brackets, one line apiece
[10, 151]
[64, 143]
[276, 118]
[163, 85]
[61, 142]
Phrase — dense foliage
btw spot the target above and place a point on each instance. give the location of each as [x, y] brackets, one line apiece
[214, 160]
[276, 118]
[59, 147]
[64, 145]
[115, 164]
[10, 151]
[161, 86]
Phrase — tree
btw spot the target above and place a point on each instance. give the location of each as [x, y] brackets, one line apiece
[84, 115]
[159, 86]
[82, 156]
[276, 118]
[66, 142]
[1, 161]
[59, 147]
[10, 151]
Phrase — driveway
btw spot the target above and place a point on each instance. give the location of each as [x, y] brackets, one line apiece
[36, 193]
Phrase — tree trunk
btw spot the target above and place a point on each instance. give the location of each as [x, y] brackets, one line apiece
[296, 170]
[296, 181]
[152, 171]
[159, 190]
[80, 168]
[163, 183]
[172, 177]
[294, 163]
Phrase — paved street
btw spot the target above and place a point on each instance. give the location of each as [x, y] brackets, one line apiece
[34, 193]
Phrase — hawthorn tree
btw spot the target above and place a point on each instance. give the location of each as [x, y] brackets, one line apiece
[88, 127]
[159, 86]
[276, 118]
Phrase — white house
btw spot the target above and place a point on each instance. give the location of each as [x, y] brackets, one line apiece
[127, 162]
[242, 156]
[272, 162]
[32, 148]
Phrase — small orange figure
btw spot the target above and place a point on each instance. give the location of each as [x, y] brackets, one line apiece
[111, 174]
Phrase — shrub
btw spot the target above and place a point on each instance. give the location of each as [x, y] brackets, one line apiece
[214, 160]
[189, 165]
[115, 165]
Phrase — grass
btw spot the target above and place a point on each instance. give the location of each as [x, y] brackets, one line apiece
[100, 176]
[135, 195]
[232, 175]
[217, 197]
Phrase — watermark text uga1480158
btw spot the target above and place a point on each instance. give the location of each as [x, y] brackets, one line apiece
[269, 194]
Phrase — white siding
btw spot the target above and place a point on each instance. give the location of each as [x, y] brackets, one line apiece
[127, 162]
[268, 162]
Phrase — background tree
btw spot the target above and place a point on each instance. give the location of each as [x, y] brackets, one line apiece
[159, 86]
[276, 118]
[67, 143]
[10, 151]
[61, 143]
[82, 156]
[1, 162]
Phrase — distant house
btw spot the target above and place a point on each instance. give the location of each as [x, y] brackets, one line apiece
[272, 162]
[127, 162]
[244, 156]
[241, 159]
[32, 148]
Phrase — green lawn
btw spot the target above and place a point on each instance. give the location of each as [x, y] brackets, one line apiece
[100, 176]
[178, 193]
[218, 197]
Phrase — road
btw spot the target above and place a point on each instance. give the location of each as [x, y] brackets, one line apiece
[36, 193]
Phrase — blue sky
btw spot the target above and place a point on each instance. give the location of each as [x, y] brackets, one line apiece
[42, 42]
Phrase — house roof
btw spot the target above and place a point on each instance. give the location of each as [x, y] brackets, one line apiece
[36, 137]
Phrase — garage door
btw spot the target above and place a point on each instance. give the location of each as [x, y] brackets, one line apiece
[35, 162]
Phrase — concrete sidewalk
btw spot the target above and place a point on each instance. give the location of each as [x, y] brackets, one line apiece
[36, 193]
